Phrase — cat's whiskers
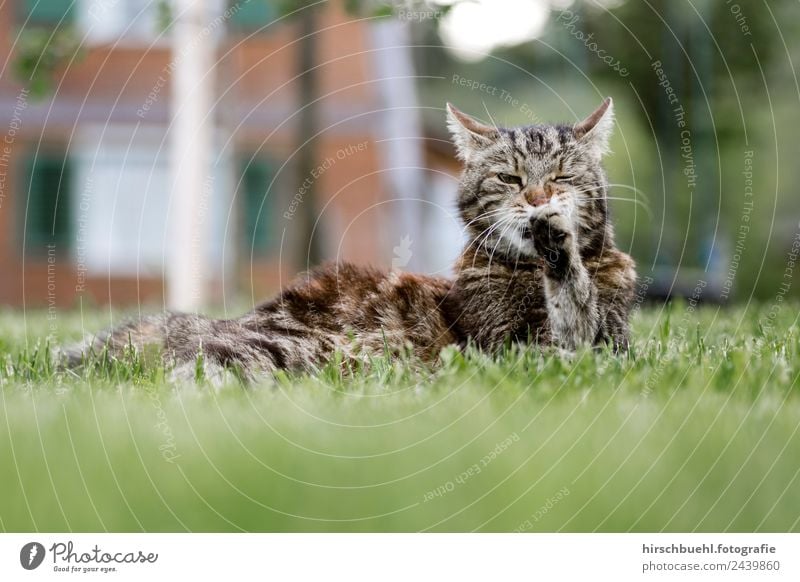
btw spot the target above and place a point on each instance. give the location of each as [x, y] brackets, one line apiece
[501, 223]
[510, 222]
[596, 187]
[494, 212]
[491, 253]
[628, 187]
[483, 234]
[479, 241]
[585, 190]
[517, 222]
[476, 239]
[489, 231]
[635, 201]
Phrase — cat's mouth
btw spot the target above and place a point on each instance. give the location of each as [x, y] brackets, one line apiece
[519, 240]
[526, 231]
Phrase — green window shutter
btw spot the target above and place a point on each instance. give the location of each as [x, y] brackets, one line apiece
[251, 15]
[47, 12]
[257, 207]
[49, 196]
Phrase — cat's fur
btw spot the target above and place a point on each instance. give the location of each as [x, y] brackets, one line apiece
[540, 266]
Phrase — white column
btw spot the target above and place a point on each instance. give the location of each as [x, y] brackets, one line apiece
[400, 132]
[192, 131]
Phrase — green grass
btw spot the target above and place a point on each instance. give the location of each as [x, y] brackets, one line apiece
[697, 429]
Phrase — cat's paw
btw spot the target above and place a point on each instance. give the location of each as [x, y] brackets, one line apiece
[554, 241]
[551, 232]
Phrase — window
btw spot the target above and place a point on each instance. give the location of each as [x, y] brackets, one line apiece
[47, 190]
[47, 12]
[259, 234]
[251, 15]
[134, 21]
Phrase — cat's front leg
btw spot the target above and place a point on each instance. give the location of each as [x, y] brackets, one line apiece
[571, 294]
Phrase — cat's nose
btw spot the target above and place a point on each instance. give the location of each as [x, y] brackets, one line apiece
[536, 196]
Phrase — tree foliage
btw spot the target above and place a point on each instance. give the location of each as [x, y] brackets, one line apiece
[40, 54]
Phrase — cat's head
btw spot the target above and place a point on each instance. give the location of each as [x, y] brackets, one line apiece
[512, 176]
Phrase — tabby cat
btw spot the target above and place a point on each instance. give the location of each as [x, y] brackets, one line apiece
[540, 266]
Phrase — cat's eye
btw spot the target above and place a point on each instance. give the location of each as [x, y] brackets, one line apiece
[510, 179]
[564, 179]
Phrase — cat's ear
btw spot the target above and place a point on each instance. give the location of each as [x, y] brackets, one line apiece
[595, 131]
[469, 134]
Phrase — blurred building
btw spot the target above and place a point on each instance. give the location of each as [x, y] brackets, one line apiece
[85, 182]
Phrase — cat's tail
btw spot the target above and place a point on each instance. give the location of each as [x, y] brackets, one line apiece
[135, 334]
[183, 341]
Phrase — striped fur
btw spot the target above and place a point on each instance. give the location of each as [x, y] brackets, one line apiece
[542, 263]
[540, 266]
[358, 311]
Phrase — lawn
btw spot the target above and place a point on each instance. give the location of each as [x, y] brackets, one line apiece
[695, 429]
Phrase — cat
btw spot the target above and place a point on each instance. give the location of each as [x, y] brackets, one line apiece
[540, 266]
[536, 197]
